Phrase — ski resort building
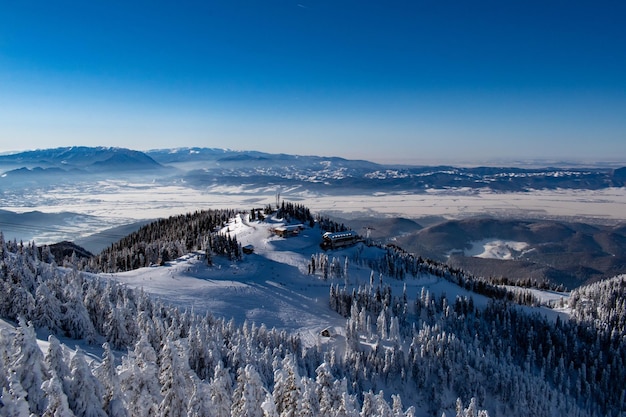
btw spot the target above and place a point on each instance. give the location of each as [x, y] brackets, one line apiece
[339, 239]
[288, 231]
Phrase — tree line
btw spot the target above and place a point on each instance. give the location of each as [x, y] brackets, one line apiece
[165, 240]
[499, 354]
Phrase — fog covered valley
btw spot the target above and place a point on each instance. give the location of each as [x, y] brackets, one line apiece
[174, 317]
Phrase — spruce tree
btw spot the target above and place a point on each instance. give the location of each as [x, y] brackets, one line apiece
[85, 396]
[28, 366]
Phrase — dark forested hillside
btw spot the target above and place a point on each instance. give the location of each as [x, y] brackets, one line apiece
[167, 239]
[554, 252]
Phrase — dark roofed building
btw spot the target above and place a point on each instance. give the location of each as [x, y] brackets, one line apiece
[288, 231]
[339, 239]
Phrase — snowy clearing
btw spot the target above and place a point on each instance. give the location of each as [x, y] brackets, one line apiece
[496, 249]
[272, 285]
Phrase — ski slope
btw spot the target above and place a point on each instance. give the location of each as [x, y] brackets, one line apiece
[272, 286]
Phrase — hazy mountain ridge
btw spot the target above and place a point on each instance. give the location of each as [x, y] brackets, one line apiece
[30, 224]
[201, 167]
[349, 176]
[75, 159]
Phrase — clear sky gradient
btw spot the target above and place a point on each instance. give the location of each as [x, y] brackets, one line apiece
[392, 81]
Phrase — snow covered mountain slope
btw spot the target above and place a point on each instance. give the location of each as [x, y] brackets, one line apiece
[273, 285]
[77, 158]
[382, 333]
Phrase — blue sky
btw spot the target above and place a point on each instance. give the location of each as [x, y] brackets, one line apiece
[401, 81]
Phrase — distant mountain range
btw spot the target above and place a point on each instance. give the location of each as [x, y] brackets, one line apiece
[74, 160]
[202, 167]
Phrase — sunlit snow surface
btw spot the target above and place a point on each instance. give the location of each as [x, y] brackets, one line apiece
[497, 249]
[271, 286]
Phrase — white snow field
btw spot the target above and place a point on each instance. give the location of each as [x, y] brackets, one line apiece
[496, 249]
[272, 286]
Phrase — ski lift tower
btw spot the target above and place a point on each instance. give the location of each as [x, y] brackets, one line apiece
[368, 230]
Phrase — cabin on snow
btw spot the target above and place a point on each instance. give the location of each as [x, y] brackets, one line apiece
[288, 231]
[248, 249]
[339, 239]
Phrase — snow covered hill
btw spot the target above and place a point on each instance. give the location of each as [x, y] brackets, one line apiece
[273, 285]
[291, 330]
